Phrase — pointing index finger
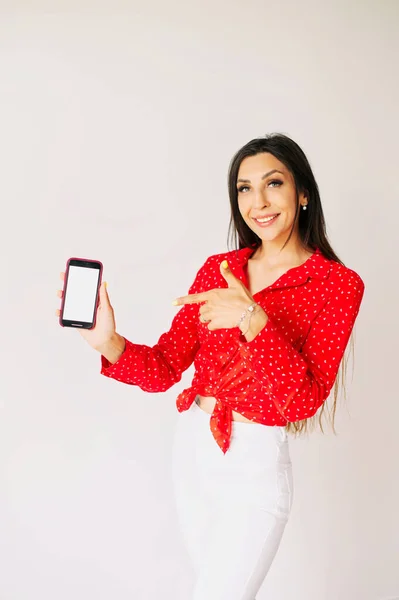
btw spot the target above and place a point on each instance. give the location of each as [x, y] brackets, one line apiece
[190, 299]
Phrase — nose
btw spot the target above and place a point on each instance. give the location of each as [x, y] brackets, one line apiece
[259, 199]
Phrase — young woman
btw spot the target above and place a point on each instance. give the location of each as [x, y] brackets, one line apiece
[266, 325]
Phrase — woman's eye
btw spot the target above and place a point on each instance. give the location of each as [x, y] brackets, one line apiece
[245, 187]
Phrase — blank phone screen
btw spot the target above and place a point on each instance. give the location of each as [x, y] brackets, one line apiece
[81, 294]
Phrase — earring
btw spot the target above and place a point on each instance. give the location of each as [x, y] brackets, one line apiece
[304, 207]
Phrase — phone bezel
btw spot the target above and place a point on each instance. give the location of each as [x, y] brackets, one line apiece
[84, 263]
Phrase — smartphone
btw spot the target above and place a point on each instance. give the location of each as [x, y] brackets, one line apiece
[81, 293]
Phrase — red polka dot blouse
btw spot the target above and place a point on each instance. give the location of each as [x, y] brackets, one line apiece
[283, 375]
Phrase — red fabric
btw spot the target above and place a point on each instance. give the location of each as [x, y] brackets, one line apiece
[283, 375]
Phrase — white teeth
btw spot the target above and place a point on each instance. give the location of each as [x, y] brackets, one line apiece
[266, 220]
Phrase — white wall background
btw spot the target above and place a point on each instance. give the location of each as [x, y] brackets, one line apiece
[117, 124]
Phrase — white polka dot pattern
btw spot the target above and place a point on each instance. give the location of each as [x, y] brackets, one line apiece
[283, 375]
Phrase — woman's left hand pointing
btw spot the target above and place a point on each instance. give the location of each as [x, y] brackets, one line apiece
[222, 307]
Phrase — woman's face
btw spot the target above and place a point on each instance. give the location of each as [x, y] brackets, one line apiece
[266, 188]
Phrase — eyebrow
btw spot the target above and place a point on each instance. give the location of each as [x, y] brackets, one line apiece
[263, 176]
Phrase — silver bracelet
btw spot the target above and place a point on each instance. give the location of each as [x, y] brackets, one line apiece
[249, 310]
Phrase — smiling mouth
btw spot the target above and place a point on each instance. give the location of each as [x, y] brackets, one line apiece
[266, 220]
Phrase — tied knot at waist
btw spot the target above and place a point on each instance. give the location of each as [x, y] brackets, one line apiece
[221, 418]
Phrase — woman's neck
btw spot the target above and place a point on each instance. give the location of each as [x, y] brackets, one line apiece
[271, 255]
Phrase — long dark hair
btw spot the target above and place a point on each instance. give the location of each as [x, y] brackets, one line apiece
[311, 223]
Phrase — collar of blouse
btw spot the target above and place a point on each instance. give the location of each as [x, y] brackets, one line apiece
[316, 266]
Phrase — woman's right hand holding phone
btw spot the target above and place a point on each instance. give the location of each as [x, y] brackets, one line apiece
[103, 336]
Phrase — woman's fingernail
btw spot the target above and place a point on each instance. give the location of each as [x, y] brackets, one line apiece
[225, 264]
[175, 303]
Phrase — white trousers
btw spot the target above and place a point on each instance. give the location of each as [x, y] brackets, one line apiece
[233, 507]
